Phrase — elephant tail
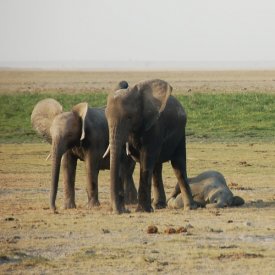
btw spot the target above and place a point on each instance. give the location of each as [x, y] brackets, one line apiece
[43, 115]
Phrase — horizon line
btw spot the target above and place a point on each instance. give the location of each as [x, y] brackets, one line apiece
[137, 65]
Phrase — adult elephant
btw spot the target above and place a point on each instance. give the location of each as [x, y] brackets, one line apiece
[81, 134]
[152, 123]
[209, 189]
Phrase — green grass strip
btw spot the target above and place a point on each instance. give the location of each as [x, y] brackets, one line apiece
[211, 117]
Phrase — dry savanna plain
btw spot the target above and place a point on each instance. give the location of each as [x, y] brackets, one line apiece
[238, 240]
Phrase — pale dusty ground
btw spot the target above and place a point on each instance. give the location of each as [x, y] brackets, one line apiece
[226, 241]
[182, 81]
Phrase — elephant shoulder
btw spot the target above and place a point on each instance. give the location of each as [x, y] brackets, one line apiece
[174, 111]
[96, 125]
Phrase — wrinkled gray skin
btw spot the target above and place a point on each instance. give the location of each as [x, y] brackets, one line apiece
[209, 189]
[79, 134]
[153, 123]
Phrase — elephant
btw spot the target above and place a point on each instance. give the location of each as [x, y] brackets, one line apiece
[209, 189]
[81, 134]
[149, 123]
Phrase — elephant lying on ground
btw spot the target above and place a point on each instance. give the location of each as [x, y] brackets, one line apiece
[81, 134]
[151, 123]
[208, 189]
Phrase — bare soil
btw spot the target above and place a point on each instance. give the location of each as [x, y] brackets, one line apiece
[240, 240]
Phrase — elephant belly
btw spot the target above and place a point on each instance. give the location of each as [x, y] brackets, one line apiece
[168, 151]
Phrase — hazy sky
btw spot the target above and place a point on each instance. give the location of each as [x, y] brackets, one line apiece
[128, 30]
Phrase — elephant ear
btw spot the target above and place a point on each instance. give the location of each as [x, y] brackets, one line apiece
[155, 94]
[81, 111]
[43, 115]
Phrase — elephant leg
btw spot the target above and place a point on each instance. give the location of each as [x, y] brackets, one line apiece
[130, 191]
[145, 184]
[92, 180]
[179, 166]
[175, 202]
[69, 162]
[158, 188]
[144, 191]
[176, 191]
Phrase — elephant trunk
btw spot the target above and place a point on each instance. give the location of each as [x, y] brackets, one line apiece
[57, 152]
[117, 193]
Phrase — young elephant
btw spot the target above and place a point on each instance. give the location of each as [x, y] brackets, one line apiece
[208, 189]
[79, 134]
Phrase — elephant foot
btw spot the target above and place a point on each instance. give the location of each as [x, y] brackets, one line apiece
[131, 200]
[122, 210]
[141, 208]
[159, 205]
[190, 206]
[118, 208]
[171, 203]
[93, 204]
[54, 210]
[69, 205]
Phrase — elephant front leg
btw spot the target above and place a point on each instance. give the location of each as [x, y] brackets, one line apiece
[92, 181]
[158, 188]
[130, 191]
[144, 191]
[69, 162]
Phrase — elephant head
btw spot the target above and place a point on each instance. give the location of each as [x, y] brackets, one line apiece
[223, 198]
[63, 130]
[131, 110]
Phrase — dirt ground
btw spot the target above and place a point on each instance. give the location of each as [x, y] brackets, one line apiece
[240, 240]
[182, 81]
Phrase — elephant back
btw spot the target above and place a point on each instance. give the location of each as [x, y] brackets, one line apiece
[43, 115]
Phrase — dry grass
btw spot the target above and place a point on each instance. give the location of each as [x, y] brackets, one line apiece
[80, 241]
[91, 81]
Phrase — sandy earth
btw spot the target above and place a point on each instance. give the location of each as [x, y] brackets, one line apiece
[241, 240]
[182, 81]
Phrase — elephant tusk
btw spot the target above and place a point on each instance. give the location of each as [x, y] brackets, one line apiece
[107, 151]
[47, 158]
[127, 149]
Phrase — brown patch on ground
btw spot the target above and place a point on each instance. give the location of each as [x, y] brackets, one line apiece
[238, 256]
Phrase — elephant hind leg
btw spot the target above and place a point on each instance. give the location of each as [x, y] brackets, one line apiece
[175, 202]
[179, 166]
[130, 191]
[175, 192]
[158, 188]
